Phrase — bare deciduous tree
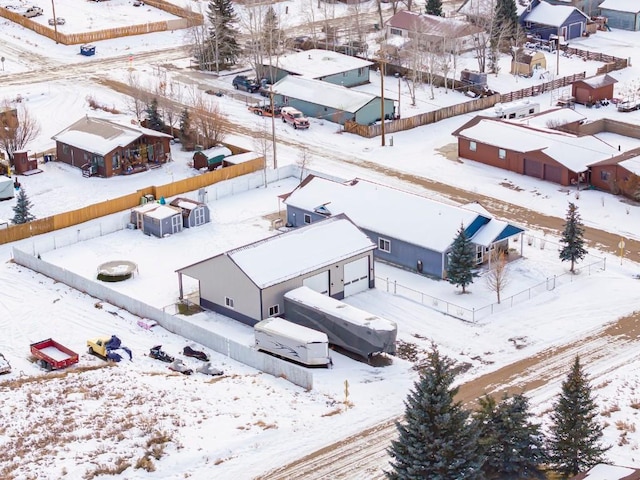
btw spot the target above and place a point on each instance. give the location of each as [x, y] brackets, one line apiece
[16, 130]
[139, 98]
[303, 161]
[263, 145]
[497, 276]
[209, 123]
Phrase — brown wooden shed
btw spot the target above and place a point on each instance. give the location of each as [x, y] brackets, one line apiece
[22, 164]
[593, 89]
[525, 62]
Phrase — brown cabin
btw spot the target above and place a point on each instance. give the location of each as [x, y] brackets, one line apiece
[591, 90]
[104, 148]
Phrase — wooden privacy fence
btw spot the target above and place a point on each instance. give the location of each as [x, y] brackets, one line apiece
[187, 19]
[597, 56]
[125, 202]
[534, 90]
[370, 131]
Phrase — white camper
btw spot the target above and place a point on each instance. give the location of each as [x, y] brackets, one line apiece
[294, 342]
[516, 109]
[6, 188]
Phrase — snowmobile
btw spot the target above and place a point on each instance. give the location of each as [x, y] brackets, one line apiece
[157, 353]
[208, 369]
[192, 352]
[178, 366]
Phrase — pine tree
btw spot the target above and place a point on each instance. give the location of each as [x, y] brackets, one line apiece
[434, 7]
[574, 443]
[185, 128]
[435, 441]
[506, 18]
[511, 445]
[154, 121]
[573, 238]
[462, 261]
[223, 36]
[22, 209]
[271, 32]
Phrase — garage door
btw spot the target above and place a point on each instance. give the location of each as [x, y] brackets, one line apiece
[553, 173]
[319, 283]
[356, 276]
[532, 168]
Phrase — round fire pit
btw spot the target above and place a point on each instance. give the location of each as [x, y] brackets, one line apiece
[116, 271]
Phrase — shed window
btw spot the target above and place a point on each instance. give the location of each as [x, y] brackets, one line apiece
[472, 146]
[307, 218]
[396, 31]
[604, 175]
[502, 154]
[228, 302]
[65, 149]
[275, 310]
[384, 245]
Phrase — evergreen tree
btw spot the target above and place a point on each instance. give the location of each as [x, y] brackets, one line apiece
[271, 32]
[185, 128]
[435, 441]
[222, 43]
[574, 443]
[510, 444]
[154, 121]
[21, 212]
[505, 19]
[434, 7]
[462, 261]
[573, 237]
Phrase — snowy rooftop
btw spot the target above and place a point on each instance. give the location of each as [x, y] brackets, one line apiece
[487, 7]
[147, 207]
[432, 25]
[316, 63]
[632, 164]
[185, 203]
[555, 116]
[621, 5]
[339, 309]
[163, 211]
[333, 96]
[277, 325]
[575, 153]
[101, 136]
[546, 14]
[383, 210]
[609, 472]
[299, 251]
[600, 81]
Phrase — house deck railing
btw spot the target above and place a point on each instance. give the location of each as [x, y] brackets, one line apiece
[473, 314]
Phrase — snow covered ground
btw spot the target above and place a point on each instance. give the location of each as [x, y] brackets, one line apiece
[245, 423]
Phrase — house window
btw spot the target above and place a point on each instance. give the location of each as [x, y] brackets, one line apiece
[473, 146]
[384, 245]
[66, 149]
[344, 74]
[115, 161]
[604, 175]
[396, 31]
[361, 72]
[98, 160]
[274, 311]
[532, 111]
[502, 154]
[479, 254]
[307, 218]
[228, 302]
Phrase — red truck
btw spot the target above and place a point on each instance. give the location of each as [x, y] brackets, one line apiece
[52, 355]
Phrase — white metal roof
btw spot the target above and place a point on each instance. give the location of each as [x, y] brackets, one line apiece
[386, 210]
[300, 251]
[101, 136]
[621, 5]
[318, 63]
[323, 93]
[575, 153]
[280, 326]
[553, 15]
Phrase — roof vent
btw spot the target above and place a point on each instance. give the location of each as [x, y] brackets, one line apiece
[309, 56]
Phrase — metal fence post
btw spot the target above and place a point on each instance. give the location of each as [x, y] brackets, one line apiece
[395, 287]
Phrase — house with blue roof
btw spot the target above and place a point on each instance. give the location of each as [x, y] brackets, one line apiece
[409, 230]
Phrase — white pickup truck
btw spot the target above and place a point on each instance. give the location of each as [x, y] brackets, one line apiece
[32, 12]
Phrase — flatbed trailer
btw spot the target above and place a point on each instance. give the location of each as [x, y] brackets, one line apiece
[52, 355]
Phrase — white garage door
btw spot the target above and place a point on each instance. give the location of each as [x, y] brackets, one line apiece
[319, 283]
[356, 276]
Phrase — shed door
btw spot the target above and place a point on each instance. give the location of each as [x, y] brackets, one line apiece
[319, 282]
[553, 173]
[176, 223]
[198, 216]
[532, 168]
[356, 276]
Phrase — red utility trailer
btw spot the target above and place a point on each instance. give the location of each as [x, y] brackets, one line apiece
[52, 355]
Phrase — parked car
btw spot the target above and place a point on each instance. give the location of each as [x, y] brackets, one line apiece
[57, 21]
[294, 117]
[32, 12]
[242, 82]
[265, 110]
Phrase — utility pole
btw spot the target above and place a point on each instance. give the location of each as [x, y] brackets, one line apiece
[55, 21]
[382, 100]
